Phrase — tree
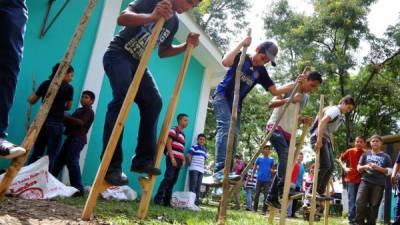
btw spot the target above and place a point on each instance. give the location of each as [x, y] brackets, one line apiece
[328, 40]
[214, 17]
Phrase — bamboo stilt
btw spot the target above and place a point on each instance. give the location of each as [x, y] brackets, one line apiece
[289, 167]
[269, 134]
[231, 138]
[34, 130]
[119, 124]
[316, 168]
[148, 183]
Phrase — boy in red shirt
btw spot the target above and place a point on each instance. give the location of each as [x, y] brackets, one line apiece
[353, 177]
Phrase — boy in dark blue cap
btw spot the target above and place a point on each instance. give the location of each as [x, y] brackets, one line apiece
[253, 72]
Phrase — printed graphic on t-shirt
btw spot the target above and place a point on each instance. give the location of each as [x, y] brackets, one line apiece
[138, 43]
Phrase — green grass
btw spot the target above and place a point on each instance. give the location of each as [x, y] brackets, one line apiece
[123, 213]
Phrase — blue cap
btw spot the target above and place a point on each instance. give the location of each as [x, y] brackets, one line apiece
[270, 50]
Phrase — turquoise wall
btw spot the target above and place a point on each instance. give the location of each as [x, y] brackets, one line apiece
[165, 72]
[41, 54]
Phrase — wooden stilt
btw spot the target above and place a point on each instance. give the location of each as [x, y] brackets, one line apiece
[289, 167]
[231, 138]
[148, 183]
[269, 134]
[29, 112]
[271, 215]
[34, 130]
[327, 203]
[119, 124]
[316, 168]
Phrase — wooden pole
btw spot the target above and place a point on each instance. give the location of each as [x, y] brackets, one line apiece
[328, 193]
[100, 184]
[289, 166]
[326, 205]
[231, 138]
[34, 130]
[266, 139]
[29, 112]
[148, 183]
[316, 167]
[299, 145]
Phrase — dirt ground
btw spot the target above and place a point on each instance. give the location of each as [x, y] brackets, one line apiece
[14, 211]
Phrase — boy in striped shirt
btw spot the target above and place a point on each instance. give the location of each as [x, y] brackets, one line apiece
[174, 160]
[196, 158]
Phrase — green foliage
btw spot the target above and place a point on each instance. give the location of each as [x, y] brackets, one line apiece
[328, 40]
[213, 15]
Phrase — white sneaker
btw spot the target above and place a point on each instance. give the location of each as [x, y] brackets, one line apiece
[9, 150]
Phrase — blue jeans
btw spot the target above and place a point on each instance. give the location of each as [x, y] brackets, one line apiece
[195, 179]
[397, 208]
[13, 17]
[223, 112]
[171, 175]
[352, 189]
[50, 136]
[69, 155]
[120, 70]
[281, 146]
[249, 192]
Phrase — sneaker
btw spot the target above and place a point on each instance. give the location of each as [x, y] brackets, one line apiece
[273, 202]
[9, 150]
[219, 176]
[148, 168]
[116, 178]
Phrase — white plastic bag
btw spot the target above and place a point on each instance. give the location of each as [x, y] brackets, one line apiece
[184, 200]
[35, 182]
[123, 193]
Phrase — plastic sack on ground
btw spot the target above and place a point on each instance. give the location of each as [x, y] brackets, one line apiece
[184, 200]
[35, 182]
[122, 193]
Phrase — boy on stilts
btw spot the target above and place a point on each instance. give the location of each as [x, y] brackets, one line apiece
[120, 63]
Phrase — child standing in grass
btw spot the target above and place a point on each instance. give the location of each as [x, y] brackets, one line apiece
[196, 158]
[50, 135]
[77, 126]
[374, 166]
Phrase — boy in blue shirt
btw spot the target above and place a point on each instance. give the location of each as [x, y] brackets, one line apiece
[196, 158]
[253, 72]
[263, 168]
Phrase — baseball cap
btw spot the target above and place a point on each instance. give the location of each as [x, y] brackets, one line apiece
[270, 49]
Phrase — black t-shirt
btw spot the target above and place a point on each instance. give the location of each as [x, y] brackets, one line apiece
[65, 93]
[381, 159]
[133, 40]
[84, 114]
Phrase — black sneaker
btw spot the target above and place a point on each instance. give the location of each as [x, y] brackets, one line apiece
[149, 169]
[116, 178]
[9, 150]
[274, 203]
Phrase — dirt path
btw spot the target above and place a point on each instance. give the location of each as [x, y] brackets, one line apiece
[15, 211]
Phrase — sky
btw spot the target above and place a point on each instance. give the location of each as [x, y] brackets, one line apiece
[383, 13]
